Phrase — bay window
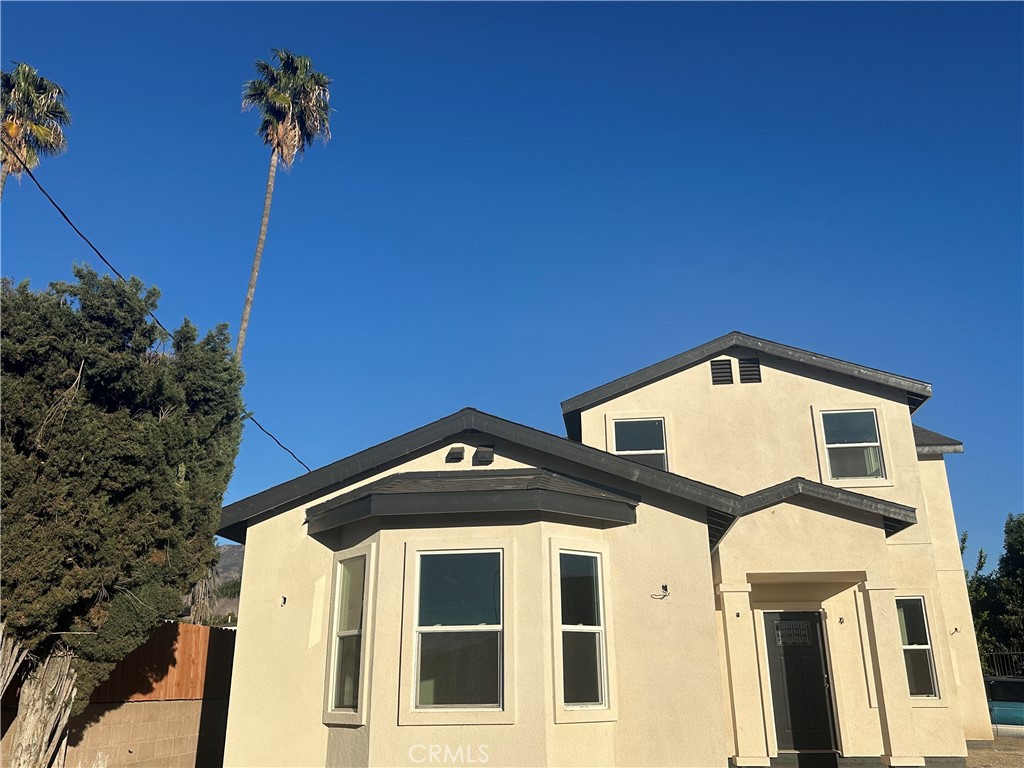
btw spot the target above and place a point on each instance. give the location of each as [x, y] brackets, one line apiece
[459, 634]
[584, 675]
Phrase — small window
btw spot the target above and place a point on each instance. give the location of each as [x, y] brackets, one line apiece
[917, 647]
[642, 440]
[851, 439]
[459, 630]
[583, 638]
[750, 370]
[348, 632]
[721, 371]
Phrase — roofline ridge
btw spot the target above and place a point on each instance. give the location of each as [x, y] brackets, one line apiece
[688, 358]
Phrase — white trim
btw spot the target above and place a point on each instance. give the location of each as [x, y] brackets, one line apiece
[421, 630]
[408, 712]
[614, 419]
[930, 648]
[607, 711]
[356, 716]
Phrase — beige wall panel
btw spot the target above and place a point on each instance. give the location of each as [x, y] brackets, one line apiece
[793, 539]
[668, 666]
[273, 655]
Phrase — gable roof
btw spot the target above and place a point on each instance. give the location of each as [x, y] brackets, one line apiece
[929, 442]
[896, 516]
[468, 422]
[916, 391]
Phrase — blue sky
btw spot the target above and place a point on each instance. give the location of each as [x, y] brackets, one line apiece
[524, 201]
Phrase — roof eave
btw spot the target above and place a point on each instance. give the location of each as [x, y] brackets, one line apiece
[917, 391]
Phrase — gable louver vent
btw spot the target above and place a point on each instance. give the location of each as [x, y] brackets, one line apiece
[721, 371]
[750, 371]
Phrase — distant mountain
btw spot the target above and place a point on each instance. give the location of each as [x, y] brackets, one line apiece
[230, 564]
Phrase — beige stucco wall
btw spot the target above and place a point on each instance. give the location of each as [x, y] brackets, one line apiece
[662, 667]
[744, 437]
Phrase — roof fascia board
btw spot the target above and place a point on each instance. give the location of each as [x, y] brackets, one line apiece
[800, 486]
[931, 450]
[922, 390]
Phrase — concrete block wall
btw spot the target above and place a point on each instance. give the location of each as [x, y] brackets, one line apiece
[135, 733]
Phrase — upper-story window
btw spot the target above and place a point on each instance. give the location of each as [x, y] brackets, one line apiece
[459, 630]
[642, 440]
[853, 445]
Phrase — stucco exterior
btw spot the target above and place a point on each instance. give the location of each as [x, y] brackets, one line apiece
[685, 656]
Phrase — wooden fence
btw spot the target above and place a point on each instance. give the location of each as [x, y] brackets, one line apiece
[178, 661]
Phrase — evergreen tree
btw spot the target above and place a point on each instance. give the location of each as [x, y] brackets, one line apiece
[1009, 586]
[116, 452]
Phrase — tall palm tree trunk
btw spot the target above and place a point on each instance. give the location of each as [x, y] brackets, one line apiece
[244, 325]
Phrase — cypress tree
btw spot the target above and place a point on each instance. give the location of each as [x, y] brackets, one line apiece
[116, 445]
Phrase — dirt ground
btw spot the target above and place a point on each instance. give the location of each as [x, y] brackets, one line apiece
[1004, 753]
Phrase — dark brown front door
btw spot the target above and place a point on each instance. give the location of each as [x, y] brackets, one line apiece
[799, 678]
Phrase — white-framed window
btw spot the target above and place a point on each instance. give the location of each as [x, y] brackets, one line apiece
[641, 440]
[584, 649]
[459, 630]
[917, 647]
[853, 444]
[346, 684]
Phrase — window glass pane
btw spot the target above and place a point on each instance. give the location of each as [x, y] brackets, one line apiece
[850, 427]
[460, 589]
[912, 622]
[919, 671]
[346, 683]
[580, 599]
[855, 462]
[460, 669]
[350, 595]
[656, 460]
[645, 435]
[581, 667]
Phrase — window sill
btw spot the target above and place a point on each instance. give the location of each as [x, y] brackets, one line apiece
[586, 715]
[928, 702]
[457, 717]
[863, 482]
[349, 719]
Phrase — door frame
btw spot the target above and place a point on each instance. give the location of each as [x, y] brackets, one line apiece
[767, 696]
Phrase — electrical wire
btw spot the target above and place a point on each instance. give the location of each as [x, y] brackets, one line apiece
[113, 269]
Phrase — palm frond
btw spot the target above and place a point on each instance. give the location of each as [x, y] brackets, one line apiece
[294, 101]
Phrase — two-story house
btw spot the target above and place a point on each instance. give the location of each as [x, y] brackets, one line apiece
[745, 553]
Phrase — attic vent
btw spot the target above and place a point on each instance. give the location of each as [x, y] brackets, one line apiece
[750, 371]
[721, 371]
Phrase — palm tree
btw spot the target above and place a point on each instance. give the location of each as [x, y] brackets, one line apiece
[293, 101]
[34, 117]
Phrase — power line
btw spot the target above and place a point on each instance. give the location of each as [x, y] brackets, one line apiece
[113, 269]
[253, 420]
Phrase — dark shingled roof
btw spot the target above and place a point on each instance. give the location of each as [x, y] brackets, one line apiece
[916, 391]
[467, 424]
[473, 491]
[482, 480]
[929, 442]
